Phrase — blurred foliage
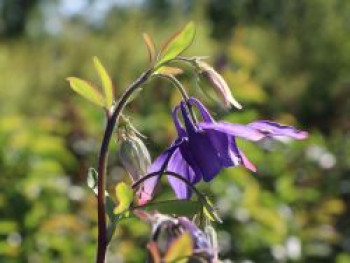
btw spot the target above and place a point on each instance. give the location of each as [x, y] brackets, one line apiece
[287, 61]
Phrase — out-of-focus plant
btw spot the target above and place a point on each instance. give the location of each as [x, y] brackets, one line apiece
[203, 147]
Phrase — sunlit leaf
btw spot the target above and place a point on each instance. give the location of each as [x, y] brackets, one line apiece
[177, 43]
[169, 70]
[210, 212]
[92, 179]
[180, 249]
[106, 82]
[125, 197]
[178, 207]
[150, 46]
[86, 90]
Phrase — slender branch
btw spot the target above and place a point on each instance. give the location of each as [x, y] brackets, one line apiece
[112, 119]
[202, 198]
[176, 175]
[183, 92]
[176, 83]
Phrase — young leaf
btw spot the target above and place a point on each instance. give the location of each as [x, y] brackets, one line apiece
[150, 46]
[125, 197]
[106, 82]
[210, 211]
[169, 70]
[177, 44]
[179, 207]
[92, 179]
[180, 249]
[86, 90]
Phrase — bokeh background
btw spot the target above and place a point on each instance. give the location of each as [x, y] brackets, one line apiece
[287, 61]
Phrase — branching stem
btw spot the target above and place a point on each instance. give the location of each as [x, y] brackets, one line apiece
[173, 174]
[112, 119]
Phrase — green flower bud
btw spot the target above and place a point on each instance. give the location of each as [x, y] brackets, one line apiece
[218, 83]
[134, 156]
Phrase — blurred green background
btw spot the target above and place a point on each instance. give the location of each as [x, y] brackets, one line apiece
[287, 61]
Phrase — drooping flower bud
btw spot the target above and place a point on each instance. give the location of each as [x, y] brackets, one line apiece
[134, 155]
[218, 83]
[167, 230]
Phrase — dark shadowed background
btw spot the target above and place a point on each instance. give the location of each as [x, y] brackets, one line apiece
[287, 61]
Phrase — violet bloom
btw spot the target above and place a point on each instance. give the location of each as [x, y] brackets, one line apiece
[202, 149]
[166, 229]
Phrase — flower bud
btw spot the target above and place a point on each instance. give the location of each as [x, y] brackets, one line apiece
[166, 230]
[134, 156]
[218, 83]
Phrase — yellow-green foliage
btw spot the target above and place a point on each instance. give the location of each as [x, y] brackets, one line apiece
[295, 71]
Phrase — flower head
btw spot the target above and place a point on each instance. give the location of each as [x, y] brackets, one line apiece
[202, 149]
[166, 230]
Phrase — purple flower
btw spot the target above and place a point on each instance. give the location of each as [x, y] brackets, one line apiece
[166, 229]
[202, 149]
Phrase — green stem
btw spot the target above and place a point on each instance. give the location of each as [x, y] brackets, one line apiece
[176, 83]
[173, 174]
[183, 92]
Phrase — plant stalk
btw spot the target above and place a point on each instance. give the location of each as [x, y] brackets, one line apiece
[112, 120]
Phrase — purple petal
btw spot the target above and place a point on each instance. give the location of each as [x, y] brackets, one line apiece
[177, 164]
[188, 156]
[221, 143]
[147, 189]
[234, 130]
[275, 129]
[204, 112]
[180, 130]
[190, 128]
[199, 238]
[246, 163]
[242, 158]
[201, 155]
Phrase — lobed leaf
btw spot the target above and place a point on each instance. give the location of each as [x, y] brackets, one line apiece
[125, 196]
[86, 90]
[177, 44]
[180, 249]
[106, 82]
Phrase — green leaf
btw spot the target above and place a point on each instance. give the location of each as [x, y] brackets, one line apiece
[210, 211]
[125, 196]
[177, 44]
[178, 207]
[92, 179]
[86, 90]
[180, 250]
[106, 82]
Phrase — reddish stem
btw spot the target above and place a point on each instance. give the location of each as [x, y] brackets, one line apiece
[112, 120]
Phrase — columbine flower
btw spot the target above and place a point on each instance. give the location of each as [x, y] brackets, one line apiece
[203, 149]
[166, 230]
